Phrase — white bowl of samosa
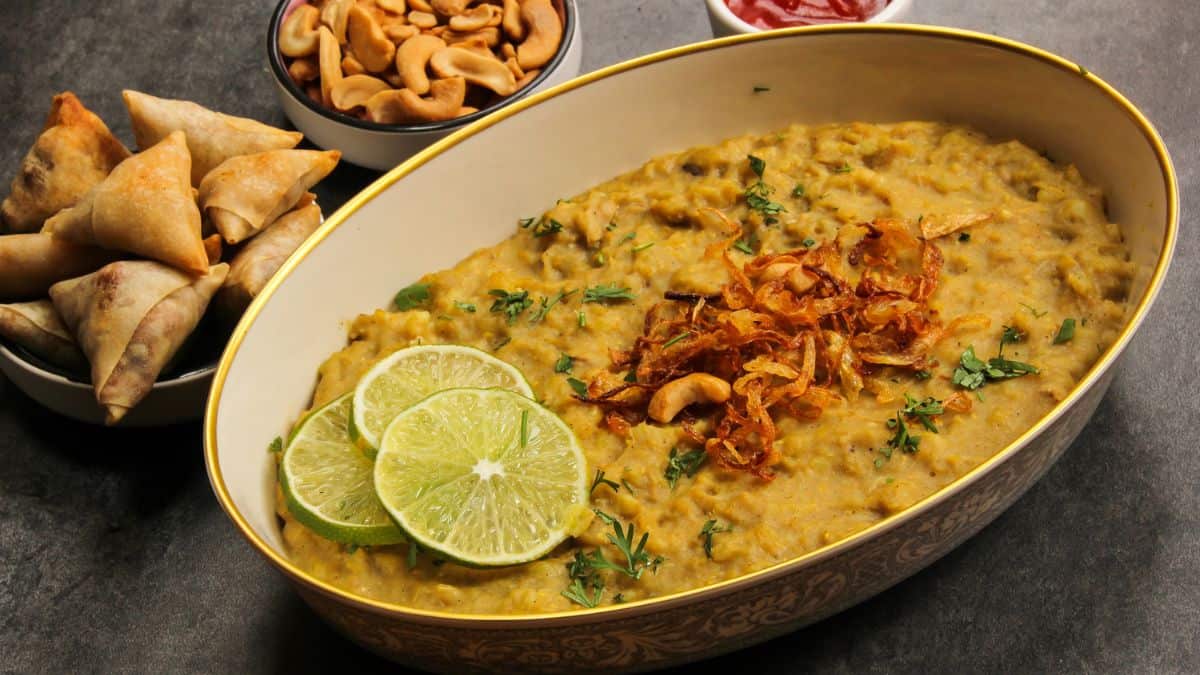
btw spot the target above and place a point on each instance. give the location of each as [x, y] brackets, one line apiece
[121, 274]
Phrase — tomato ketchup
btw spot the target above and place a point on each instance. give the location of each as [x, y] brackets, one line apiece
[769, 14]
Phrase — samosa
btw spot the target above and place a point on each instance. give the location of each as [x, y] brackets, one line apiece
[31, 263]
[130, 318]
[36, 327]
[145, 206]
[212, 137]
[262, 256]
[74, 152]
[247, 193]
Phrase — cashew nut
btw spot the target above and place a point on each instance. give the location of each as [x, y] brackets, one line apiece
[466, 110]
[421, 6]
[394, 79]
[422, 19]
[399, 32]
[474, 19]
[331, 63]
[476, 69]
[354, 91]
[489, 36]
[678, 394]
[507, 51]
[314, 93]
[529, 75]
[371, 46]
[351, 66]
[545, 34]
[304, 70]
[393, 6]
[514, 67]
[411, 59]
[404, 106]
[334, 15]
[298, 34]
[476, 46]
[512, 20]
[449, 7]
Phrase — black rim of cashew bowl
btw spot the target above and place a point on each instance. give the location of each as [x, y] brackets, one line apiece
[281, 74]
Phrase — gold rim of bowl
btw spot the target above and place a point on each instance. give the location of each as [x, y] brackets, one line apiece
[641, 606]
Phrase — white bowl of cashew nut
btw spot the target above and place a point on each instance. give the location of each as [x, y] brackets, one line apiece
[381, 79]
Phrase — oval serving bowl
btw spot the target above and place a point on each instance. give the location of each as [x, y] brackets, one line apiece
[413, 220]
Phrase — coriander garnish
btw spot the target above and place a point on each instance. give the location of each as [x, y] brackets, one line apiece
[901, 439]
[798, 191]
[1066, 332]
[758, 195]
[682, 336]
[844, 168]
[627, 486]
[510, 304]
[686, 464]
[1036, 314]
[276, 445]
[607, 293]
[628, 237]
[637, 560]
[758, 89]
[548, 304]
[468, 307]
[972, 373]
[706, 533]
[642, 247]
[581, 319]
[599, 480]
[413, 550]
[579, 386]
[411, 297]
[964, 237]
[503, 341]
[809, 242]
[541, 227]
[745, 245]
[923, 411]
[564, 363]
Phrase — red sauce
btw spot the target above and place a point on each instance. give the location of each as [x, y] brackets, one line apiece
[782, 13]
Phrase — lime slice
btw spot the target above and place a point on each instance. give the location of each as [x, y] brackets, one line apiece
[411, 374]
[328, 483]
[483, 476]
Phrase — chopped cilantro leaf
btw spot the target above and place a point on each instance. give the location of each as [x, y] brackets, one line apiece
[1066, 332]
[411, 297]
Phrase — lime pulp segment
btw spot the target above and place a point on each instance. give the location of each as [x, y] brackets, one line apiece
[483, 476]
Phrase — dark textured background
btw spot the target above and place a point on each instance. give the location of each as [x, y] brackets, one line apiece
[115, 557]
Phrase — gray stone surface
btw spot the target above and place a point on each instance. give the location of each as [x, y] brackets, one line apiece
[115, 557]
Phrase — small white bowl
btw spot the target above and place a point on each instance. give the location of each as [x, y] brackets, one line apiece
[383, 146]
[179, 399]
[725, 22]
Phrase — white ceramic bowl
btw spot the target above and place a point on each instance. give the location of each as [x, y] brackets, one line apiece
[178, 399]
[725, 22]
[692, 95]
[383, 146]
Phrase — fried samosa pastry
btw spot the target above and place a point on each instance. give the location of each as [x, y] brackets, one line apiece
[36, 327]
[145, 206]
[262, 256]
[130, 318]
[247, 193]
[74, 152]
[212, 137]
[31, 263]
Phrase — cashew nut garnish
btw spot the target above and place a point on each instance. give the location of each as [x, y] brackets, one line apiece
[354, 91]
[449, 7]
[678, 394]
[403, 106]
[298, 34]
[421, 6]
[512, 20]
[393, 6]
[476, 69]
[489, 36]
[304, 70]
[545, 34]
[474, 19]
[794, 275]
[334, 15]
[422, 19]
[351, 66]
[514, 67]
[411, 59]
[507, 51]
[466, 110]
[371, 47]
[529, 75]
[331, 63]
[399, 32]
[476, 46]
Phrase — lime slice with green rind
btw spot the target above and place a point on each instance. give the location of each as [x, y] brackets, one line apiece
[411, 374]
[329, 484]
[485, 477]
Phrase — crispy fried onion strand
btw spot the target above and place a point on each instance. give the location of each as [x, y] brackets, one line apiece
[790, 333]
